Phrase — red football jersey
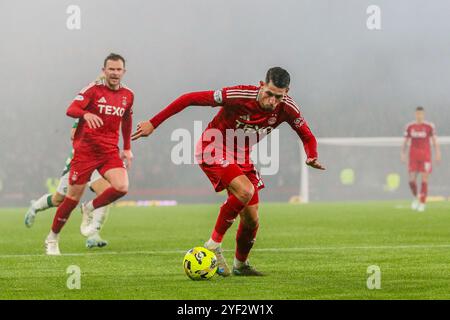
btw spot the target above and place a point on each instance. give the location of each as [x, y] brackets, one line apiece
[420, 134]
[113, 107]
[239, 110]
[242, 114]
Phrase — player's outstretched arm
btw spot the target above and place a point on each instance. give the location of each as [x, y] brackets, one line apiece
[144, 129]
[201, 98]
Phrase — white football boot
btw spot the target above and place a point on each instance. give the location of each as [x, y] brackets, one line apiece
[415, 204]
[30, 216]
[421, 207]
[86, 218]
[51, 246]
[95, 241]
[99, 216]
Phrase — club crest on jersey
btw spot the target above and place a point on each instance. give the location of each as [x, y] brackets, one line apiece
[124, 101]
[272, 120]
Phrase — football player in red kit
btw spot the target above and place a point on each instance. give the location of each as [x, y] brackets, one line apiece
[420, 133]
[254, 111]
[102, 107]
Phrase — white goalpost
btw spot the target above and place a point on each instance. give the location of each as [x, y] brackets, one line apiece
[304, 192]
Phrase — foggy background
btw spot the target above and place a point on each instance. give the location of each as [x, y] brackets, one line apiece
[348, 80]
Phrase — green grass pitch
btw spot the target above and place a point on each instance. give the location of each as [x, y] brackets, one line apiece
[314, 251]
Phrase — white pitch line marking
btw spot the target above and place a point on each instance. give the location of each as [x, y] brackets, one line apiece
[294, 249]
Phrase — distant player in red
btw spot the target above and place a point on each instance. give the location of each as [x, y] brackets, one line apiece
[420, 133]
[252, 111]
[103, 108]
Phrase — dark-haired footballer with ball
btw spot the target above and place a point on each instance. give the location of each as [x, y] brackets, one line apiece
[254, 111]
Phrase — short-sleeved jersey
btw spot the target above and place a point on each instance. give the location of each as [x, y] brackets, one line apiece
[420, 134]
[242, 115]
[111, 106]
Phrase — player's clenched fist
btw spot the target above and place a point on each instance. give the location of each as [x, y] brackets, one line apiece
[144, 129]
[93, 121]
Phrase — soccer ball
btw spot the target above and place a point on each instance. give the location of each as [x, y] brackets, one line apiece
[200, 263]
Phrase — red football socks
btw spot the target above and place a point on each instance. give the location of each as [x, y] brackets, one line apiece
[423, 192]
[108, 196]
[245, 238]
[62, 214]
[227, 214]
[413, 186]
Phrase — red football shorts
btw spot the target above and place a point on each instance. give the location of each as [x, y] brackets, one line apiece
[82, 166]
[221, 175]
[419, 166]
